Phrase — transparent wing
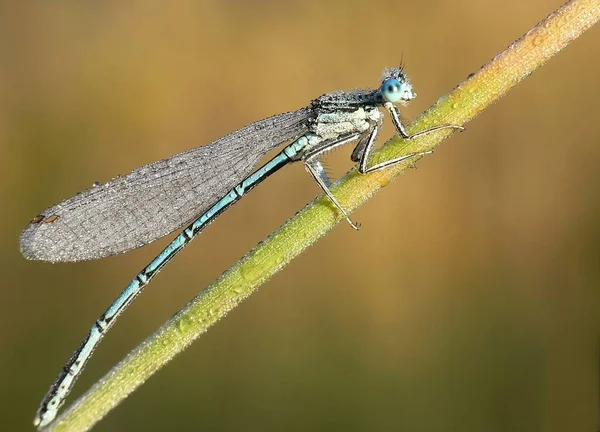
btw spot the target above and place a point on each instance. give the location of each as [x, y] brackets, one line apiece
[154, 200]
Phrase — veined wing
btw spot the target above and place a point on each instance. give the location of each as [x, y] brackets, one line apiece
[152, 201]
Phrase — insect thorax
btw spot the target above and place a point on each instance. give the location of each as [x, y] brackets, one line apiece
[332, 125]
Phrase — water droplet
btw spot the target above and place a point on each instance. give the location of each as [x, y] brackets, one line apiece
[184, 324]
[245, 273]
[538, 40]
[561, 21]
[215, 312]
[383, 180]
[239, 290]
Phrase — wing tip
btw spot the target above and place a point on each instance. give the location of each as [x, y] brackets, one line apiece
[36, 245]
[30, 246]
[45, 242]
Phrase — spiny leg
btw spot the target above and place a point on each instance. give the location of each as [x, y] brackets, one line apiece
[320, 171]
[395, 115]
[366, 152]
[315, 168]
[364, 159]
[367, 141]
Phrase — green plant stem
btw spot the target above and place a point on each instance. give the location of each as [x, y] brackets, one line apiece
[468, 99]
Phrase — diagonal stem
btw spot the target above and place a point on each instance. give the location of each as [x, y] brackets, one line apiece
[461, 105]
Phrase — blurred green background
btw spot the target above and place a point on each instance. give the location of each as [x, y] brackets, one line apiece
[469, 299]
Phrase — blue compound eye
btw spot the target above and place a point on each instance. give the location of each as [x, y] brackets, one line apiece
[390, 90]
[394, 91]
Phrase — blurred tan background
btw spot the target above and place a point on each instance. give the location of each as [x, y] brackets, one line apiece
[469, 299]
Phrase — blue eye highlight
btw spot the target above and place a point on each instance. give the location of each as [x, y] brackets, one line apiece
[394, 90]
[390, 90]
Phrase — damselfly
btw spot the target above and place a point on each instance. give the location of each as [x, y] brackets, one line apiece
[133, 210]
